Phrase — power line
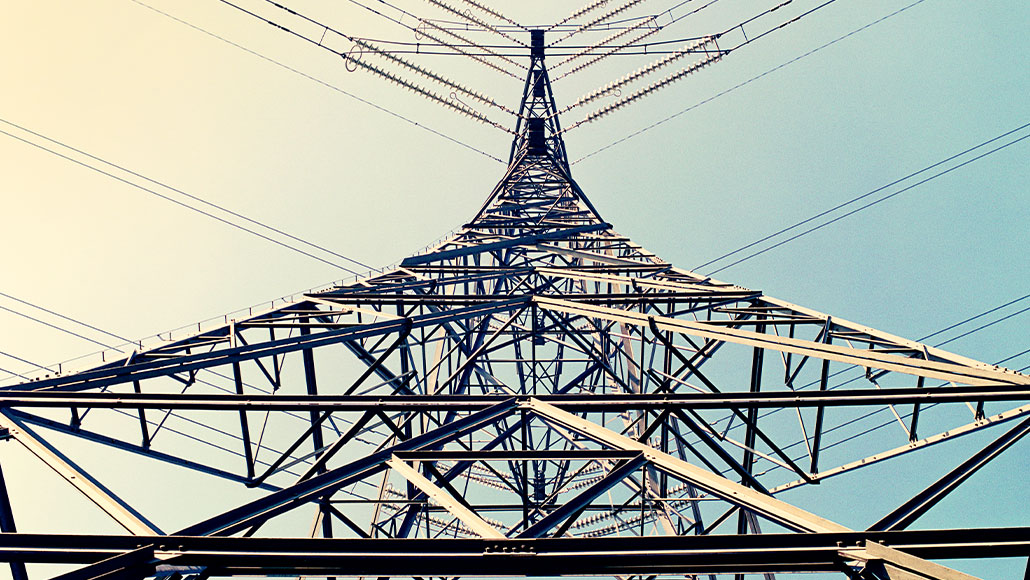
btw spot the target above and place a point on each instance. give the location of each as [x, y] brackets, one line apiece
[53, 326]
[709, 58]
[932, 334]
[594, 5]
[122, 412]
[877, 411]
[369, 45]
[28, 362]
[495, 14]
[860, 197]
[881, 410]
[398, 9]
[519, 51]
[600, 19]
[979, 328]
[747, 82]
[457, 48]
[870, 204]
[422, 30]
[604, 50]
[473, 19]
[126, 341]
[323, 83]
[606, 26]
[190, 196]
[648, 30]
[171, 199]
[968, 320]
[357, 62]
[684, 15]
[935, 333]
[14, 374]
[62, 316]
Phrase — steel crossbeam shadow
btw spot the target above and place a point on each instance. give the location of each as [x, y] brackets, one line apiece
[829, 552]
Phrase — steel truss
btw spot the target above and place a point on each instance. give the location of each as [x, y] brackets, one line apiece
[535, 395]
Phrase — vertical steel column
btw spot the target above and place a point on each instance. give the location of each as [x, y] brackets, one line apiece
[915, 414]
[248, 454]
[311, 382]
[757, 358]
[142, 418]
[824, 377]
[7, 526]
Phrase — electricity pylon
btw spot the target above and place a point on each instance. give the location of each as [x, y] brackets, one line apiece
[535, 395]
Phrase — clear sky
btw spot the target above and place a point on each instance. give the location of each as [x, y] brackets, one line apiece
[121, 81]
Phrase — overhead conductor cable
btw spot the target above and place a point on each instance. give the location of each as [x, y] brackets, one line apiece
[709, 58]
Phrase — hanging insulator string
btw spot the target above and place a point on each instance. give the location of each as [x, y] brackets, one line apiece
[606, 16]
[367, 45]
[478, 22]
[628, 100]
[461, 50]
[430, 75]
[456, 106]
[636, 75]
[610, 51]
[582, 11]
[495, 14]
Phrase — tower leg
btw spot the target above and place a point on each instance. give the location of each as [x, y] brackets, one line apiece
[7, 525]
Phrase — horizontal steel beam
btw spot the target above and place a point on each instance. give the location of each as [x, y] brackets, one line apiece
[390, 297]
[305, 491]
[119, 510]
[977, 374]
[522, 556]
[778, 511]
[598, 402]
[467, 516]
[515, 455]
[901, 566]
[128, 370]
[492, 246]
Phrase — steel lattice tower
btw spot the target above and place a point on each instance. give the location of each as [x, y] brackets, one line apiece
[535, 395]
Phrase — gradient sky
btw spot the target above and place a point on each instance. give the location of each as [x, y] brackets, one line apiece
[128, 84]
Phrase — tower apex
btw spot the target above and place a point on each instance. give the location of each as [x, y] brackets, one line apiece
[538, 130]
